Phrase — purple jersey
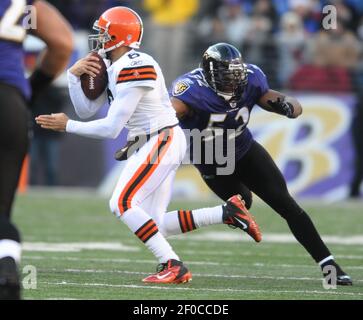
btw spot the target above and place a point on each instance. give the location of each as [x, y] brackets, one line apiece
[11, 45]
[212, 111]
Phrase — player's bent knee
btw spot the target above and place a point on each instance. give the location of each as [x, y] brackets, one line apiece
[115, 207]
[119, 206]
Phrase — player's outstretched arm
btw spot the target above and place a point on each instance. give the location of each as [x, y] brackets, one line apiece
[277, 102]
[56, 32]
[119, 113]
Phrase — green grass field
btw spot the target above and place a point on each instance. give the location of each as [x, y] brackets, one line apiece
[81, 251]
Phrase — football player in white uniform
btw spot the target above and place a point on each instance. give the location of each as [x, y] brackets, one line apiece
[142, 105]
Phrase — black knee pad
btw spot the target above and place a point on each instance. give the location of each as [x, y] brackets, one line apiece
[8, 230]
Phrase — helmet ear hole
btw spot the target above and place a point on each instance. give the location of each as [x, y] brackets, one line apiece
[113, 38]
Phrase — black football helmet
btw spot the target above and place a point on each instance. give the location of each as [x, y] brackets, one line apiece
[225, 71]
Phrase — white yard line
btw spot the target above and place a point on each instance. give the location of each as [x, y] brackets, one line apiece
[223, 290]
[258, 254]
[202, 275]
[225, 236]
[93, 193]
[77, 246]
[215, 236]
[256, 264]
[154, 262]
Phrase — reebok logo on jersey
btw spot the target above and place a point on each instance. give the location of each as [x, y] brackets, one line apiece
[136, 63]
[180, 88]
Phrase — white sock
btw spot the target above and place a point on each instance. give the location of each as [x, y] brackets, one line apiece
[325, 260]
[147, 231]
[208, 216]
[181, 221]
[10, 248]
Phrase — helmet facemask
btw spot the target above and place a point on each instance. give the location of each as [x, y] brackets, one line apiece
[228, 81]
[98, 41]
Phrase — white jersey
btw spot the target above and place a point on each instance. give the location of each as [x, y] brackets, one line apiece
[154, 111]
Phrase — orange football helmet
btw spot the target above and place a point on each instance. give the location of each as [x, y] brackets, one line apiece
[118, 26]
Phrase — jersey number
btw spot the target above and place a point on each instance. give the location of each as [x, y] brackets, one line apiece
[9, 29]
[242, 118]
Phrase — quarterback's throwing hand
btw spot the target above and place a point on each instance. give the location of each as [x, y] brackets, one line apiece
[88, 65]
[54, 121]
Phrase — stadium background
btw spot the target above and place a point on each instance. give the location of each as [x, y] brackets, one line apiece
[285, 38]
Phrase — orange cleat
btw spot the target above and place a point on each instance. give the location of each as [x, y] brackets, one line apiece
[173, 271]
[236, 215]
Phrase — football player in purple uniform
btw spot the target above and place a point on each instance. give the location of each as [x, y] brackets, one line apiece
[16, 92]
[220, 96]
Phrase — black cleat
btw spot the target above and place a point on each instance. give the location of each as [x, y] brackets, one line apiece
[9, 279]
[344, 280]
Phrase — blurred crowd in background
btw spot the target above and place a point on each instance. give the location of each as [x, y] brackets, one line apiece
[283, 37]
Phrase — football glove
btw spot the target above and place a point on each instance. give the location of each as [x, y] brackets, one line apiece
[282, 107]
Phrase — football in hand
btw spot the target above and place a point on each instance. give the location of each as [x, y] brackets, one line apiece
[93, 87]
